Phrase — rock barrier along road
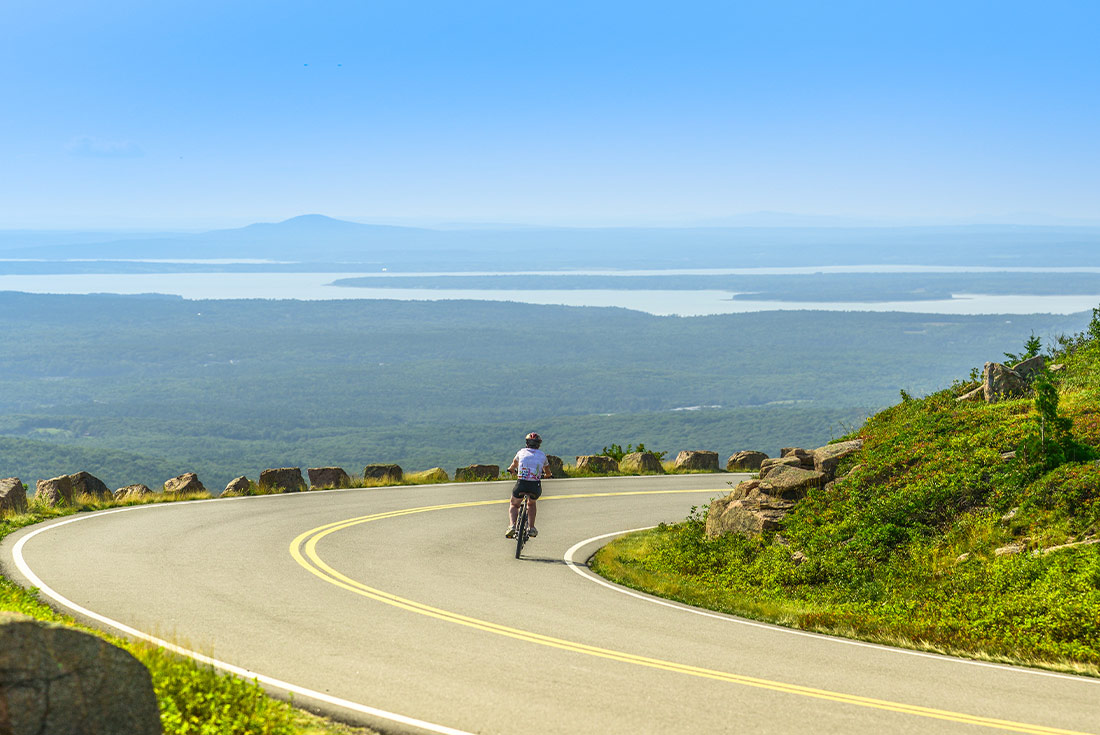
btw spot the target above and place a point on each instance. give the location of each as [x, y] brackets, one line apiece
[404, 609]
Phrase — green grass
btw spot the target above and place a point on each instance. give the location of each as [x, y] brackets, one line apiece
[194, 699]
[902, 550]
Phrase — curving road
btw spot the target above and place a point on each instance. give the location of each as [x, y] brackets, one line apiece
[404, 609]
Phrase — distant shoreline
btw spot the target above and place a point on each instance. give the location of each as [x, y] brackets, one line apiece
[664, 300]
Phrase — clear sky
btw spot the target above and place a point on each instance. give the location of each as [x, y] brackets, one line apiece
[194, 114]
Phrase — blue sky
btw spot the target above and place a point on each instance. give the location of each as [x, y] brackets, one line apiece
[199, 114]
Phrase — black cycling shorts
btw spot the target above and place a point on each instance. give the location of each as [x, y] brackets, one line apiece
[527, 487]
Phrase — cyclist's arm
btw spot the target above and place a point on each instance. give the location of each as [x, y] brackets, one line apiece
[514, 467]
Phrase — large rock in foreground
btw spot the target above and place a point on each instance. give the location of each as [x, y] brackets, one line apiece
[805, 456]
[237, 487]
[55, 679]
[1002, 383]
[85, 483]
[745, 461]
[477, 472]
[756, 506]
[791, 483]
[328, 477]
[697, 460]
[747, 511]
[769, 464]
[185, 484]
[13, 498]
[597, 464]
[1030, 368]
[383, 472]
[827, 458]
[132, 492]
[641, 463]
[282, 479]
[54, 491]
[555, 465]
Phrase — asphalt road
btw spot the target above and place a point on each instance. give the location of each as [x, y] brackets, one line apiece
[404, 609]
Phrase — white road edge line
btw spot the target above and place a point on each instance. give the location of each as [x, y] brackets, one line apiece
[581, 568]
[21, 564]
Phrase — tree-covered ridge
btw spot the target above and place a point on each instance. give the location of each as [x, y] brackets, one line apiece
[232, 387]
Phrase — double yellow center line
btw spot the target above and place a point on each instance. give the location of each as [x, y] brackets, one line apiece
[304, 551]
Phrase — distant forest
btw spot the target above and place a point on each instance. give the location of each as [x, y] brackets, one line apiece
[140, 388]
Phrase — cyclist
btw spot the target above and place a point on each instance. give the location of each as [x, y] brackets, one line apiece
[529, 466]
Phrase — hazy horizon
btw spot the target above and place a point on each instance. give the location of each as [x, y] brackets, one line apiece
[761, 220]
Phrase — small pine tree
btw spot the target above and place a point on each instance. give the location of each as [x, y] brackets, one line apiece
[1051, 443]
[1032, 347]
[616, 452]
[1054, 430]
[1094, 326]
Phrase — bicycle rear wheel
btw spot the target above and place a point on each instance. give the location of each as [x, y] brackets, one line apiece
[521, 527]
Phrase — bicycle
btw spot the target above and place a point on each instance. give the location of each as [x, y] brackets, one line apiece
[522, 527]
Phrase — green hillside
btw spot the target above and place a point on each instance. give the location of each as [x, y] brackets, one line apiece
[937, 538]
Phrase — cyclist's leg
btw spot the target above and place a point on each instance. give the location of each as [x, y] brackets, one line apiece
[534, 493]
[513, 510]
[513, 506]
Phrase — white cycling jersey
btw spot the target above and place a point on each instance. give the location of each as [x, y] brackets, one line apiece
[531, 462]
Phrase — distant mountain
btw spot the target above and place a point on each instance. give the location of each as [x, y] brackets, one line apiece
[307, 225]
[311, 238]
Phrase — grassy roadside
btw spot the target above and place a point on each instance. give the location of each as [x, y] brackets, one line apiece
[630, 561]
[194, 699]
[938, 538]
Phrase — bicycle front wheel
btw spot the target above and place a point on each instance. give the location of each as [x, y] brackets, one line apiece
[521, 527]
